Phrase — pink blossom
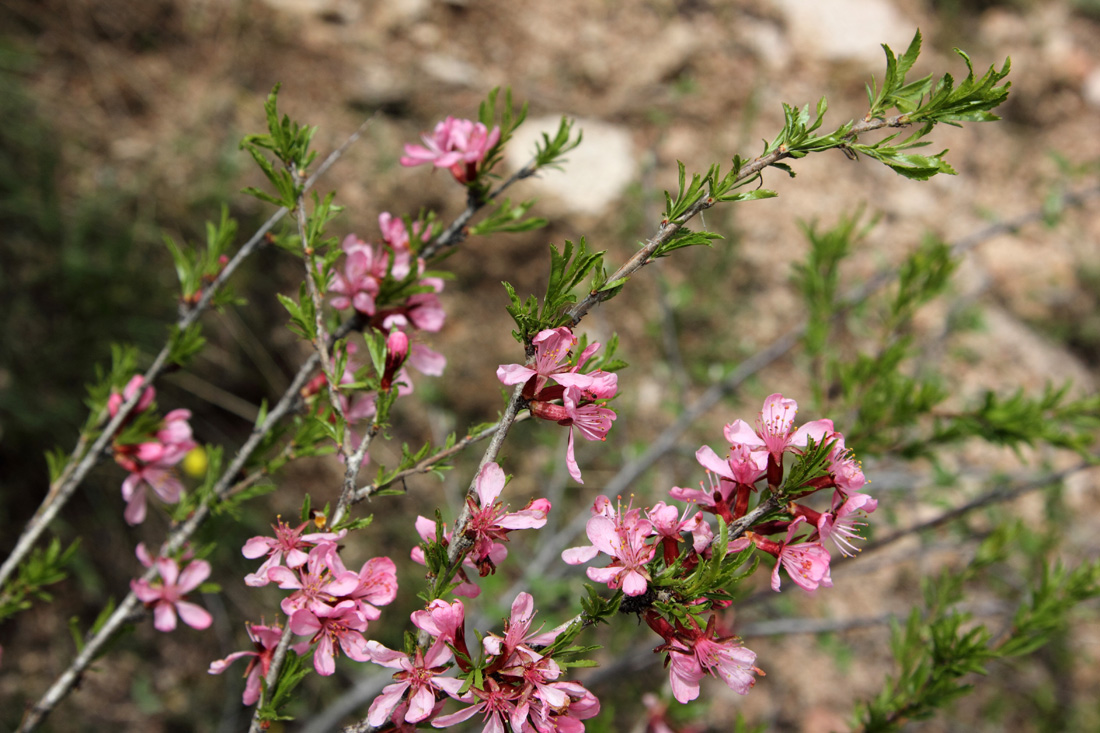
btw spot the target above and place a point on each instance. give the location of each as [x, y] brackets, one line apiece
[446, 621]
[165, 596]
[807, 562]
[497, 705]
[358, 283]
[426, 528]
[516, 634]
[723, 658]
[457, 144]
[847, 471]
[377, 587]
[331, 627]
[150, 464]
[775, 427]
[265, 639]
[419, 678]
[114, 402]
[288, 541]
[317, 584]
[397, 351]
[490, 522]
[582, 705]
[669, 525]
[684, 674]
[591, 420]
[713, 496]
[623, 538]
[841, 525]
[161, 480]
[552, 351]
[741, 464]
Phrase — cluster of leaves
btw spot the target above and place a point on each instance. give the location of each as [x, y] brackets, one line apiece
[289, 142]
[197, 268]
[924, 102]
[888, 406]
[940, 646]
[568, 269]
[42, 568]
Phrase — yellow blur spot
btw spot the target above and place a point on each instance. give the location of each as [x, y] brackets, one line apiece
[194, 463]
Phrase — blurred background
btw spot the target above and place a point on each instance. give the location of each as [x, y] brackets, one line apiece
[120, 122]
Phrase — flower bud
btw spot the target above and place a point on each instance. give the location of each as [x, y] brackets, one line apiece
[397, 351]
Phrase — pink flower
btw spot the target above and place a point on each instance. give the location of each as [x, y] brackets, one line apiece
[426, 528]
[669, 525]
[150, 464]
[115, 400]
[552, 351]
[330, 628]
[807, 562]
[741, 464]
[358, 283]
[419, 678]
[446, 621]
[490, 522]
[318, 584]
[696, 653]
[841, 525]
[161, 480]
[456, 144]
[847, 471]
[497, 705]
[579, 392]
[397, 351]
[265, 639]
[684, 674]
[516, 634]
[623, 538]
[287, 541]
[713, 496]
[166, 596]
[593, 421]
[377, 587]
[775, 427]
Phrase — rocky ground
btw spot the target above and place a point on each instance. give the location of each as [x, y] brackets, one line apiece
[150, 97]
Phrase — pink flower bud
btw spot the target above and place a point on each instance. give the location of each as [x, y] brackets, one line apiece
[397, 351]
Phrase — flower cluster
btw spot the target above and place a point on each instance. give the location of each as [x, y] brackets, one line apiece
[656, 568]
[486, 530]
[554, 376]
[457, 144]
[514, 683]
[386, 283]
[329, 604]
[152, 456]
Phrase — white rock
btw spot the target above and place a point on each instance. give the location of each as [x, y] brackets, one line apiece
[1090, 88]
[594, 174]
[846, 30]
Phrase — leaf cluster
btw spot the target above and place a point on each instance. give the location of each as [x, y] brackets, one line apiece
[196, 267]
[1019, 419]
[703, 191]
[568, 269]
[509, 119]
[937, 649]
[549, 153]
[43, 567]
[291, 674]
[289, 142]
[941, 101]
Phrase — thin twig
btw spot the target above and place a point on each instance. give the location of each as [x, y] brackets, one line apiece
[455, 233]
